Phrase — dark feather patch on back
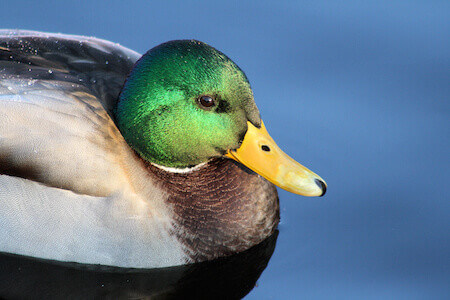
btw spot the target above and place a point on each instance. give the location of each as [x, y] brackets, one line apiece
[98, 65]
[9, 167]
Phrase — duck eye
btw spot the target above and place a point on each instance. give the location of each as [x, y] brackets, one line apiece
[206, 101]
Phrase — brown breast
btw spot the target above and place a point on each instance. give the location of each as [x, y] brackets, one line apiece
[220, 209]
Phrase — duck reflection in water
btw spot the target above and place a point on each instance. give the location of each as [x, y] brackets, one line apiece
[231, 277]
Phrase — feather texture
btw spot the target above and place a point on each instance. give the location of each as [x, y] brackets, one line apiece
[66, 192]
[71, 188]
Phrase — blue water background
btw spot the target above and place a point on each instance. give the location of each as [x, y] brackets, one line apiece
[359, 91]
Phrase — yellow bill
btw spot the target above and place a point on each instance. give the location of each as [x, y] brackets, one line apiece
[259, 153]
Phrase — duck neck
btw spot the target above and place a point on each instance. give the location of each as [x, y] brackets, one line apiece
[220, 208]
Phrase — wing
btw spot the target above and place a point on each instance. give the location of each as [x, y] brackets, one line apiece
[57, 94]
[99, 65]
[68, 186]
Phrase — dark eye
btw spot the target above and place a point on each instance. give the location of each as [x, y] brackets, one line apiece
[206, 101]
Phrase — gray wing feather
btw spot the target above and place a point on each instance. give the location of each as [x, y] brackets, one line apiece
[96, 64]
[57, 94]
[71, 189]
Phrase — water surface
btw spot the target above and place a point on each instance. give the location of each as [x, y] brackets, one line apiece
[358, 92]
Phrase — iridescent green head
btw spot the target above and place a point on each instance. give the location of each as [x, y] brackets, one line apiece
[184, 103]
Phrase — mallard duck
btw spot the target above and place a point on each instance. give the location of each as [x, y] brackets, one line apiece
[110, 158]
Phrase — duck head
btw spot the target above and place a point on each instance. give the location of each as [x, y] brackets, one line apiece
[185, 103]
